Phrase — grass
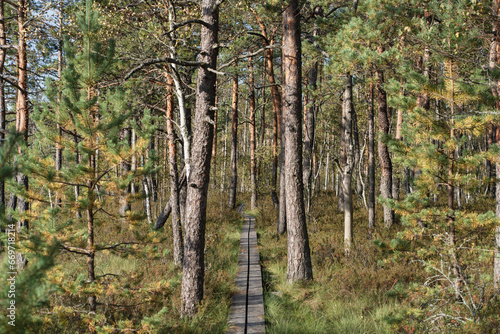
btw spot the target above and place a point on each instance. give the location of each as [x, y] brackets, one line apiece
[355, 294]
[376, 289]
[139, 287]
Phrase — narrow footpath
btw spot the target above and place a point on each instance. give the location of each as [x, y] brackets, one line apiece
[247, 307]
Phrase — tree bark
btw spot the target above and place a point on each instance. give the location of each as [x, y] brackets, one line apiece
[282, 218]
[340, 204]
[396, 180]
[194, 244]
[214, 144]
[310, 129]
[349, 165]
[59, 147]
[299, 267]
[124, 204]
[234, 146]
[371, 161]
[383, 150]
[276, 96]
[3, 109]
[90, 246]
[22, 114]
[494, 63]
[174, 184]
[253, 176]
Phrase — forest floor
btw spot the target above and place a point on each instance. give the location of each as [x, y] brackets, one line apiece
[355, 294]
[374, 290]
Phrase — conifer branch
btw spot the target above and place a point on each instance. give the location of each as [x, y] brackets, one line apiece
[76, 250]
[117, 245]
[164, 60]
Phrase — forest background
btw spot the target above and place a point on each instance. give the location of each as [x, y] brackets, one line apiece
[362, 135]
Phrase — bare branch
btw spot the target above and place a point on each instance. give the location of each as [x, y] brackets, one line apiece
[164, 60]
[76, 250]
[248, 55]
[118, 245]
[10, 81]
[177, 26]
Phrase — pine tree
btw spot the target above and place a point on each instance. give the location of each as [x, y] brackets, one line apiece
[94, 115]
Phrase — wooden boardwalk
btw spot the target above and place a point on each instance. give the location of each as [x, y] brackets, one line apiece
[247, 308]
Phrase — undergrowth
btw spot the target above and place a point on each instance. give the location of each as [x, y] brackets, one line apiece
[377, 289]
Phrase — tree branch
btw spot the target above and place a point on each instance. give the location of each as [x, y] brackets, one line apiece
[164, 60]
[248, 55]
[180, 25]
[76, 250]
[117, 245]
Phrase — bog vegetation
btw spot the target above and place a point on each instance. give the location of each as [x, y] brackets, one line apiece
[362, 135]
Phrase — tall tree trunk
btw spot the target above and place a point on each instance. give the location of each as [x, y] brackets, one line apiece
[184, 111]
[349, 166]
[371, 161]
[90, 245]
[340, 204]
[299, 265]
[174, 183]
[277, 103]
[383, 150]
[22, 113]
[451, 187]
[59, 147]
[214, 144]
[357, 150]
[193, 272]
[282, 217]
[493, 64]
[234, 146]
[124, 204]
[3, 109]
[396, 181]
[77, 161]
[253, 176]
[310, 129]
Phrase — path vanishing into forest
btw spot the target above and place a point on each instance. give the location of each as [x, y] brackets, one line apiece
[247, 307]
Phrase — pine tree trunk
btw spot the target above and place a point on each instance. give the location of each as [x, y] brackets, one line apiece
[451, 189]
[214, 145]
[3, 109]
[371, 161]
[310, 129]
[357, 150]
[147, 196]
[194, 246]
[22, 115]
[90, 248]
[174, 184]
[299, 265]
[59, 147]
[253, 176]
[234, 145]
[133, 164]
[276, 98]
[340, 204]
[282, 218]
[396, 180]
[383, 150]
[124, 204]
[493, 63]
[349, 166]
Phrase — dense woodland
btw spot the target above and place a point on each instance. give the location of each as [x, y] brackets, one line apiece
[362, 135]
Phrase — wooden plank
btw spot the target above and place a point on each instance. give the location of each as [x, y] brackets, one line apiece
[247, 308]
